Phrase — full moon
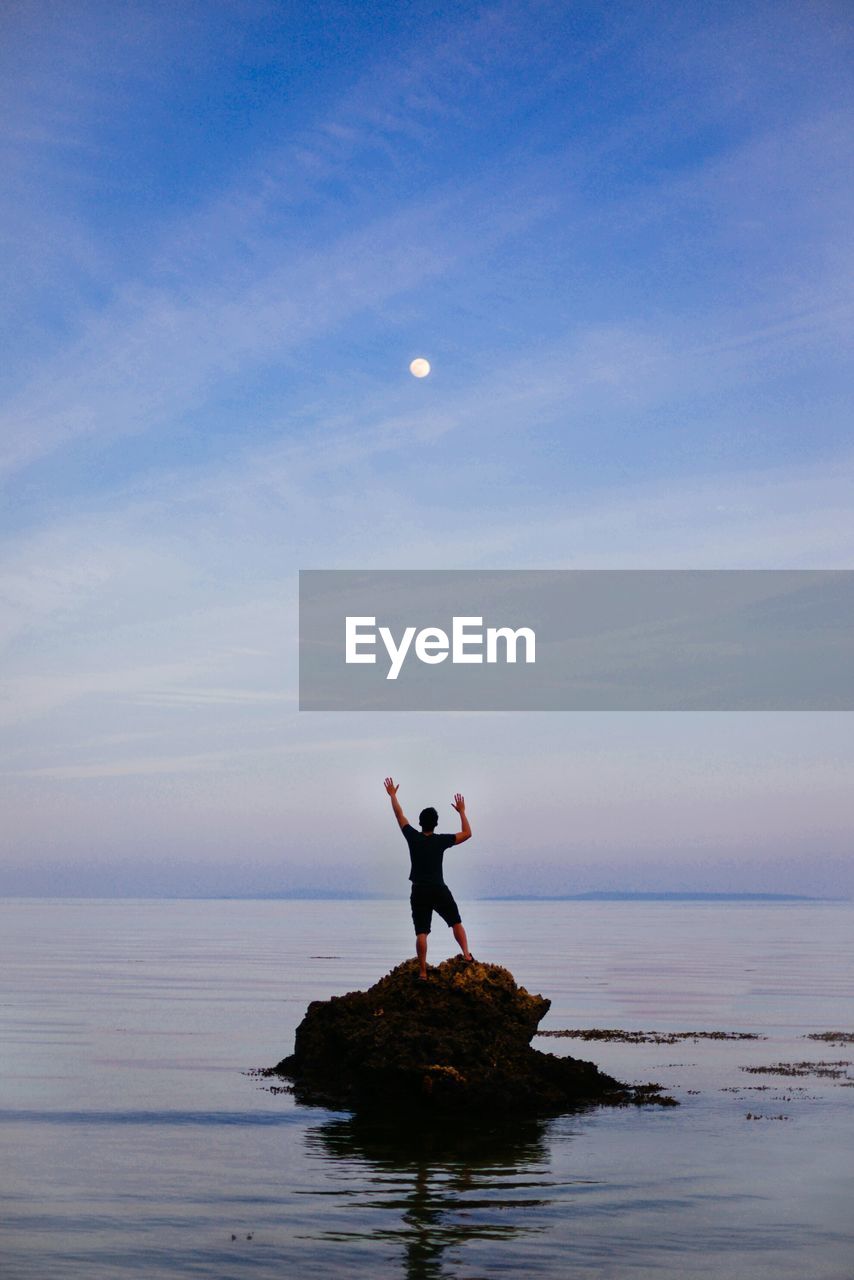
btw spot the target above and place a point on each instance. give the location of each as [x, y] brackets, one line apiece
[419, 367]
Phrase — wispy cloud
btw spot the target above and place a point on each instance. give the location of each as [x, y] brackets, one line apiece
[228, 286]
[226, 761]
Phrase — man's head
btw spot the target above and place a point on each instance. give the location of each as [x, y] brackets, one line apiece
[427, 819]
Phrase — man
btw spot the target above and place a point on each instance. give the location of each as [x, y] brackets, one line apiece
[429, 891]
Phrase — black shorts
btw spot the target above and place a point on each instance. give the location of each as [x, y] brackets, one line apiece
[427, 898]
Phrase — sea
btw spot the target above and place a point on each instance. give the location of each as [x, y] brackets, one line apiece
[136, 1138]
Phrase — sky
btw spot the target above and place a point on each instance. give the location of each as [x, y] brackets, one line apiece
[621, 235]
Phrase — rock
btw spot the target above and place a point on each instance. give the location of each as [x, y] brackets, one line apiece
[459, 1040]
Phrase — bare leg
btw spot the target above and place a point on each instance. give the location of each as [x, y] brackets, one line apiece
[462, 940]
[421, 952]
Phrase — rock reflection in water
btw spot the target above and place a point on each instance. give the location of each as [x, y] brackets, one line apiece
[435, 1186]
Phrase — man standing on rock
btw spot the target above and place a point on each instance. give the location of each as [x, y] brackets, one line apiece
[429, 891]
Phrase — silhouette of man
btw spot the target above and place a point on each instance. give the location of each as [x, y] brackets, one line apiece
[429, 891]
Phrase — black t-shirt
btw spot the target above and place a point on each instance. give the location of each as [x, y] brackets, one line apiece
[425, 854]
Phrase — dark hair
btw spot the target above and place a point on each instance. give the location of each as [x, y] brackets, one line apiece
[428, 819]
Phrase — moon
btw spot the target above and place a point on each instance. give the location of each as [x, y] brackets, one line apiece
[419, 367]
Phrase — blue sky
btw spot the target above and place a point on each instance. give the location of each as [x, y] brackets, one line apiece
[620, 233]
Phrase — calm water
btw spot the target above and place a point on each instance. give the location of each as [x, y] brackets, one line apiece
[133, 1143]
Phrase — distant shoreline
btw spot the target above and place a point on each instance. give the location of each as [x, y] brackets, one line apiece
[616, 896]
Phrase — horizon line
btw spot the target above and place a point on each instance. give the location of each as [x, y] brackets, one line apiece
[322, 895]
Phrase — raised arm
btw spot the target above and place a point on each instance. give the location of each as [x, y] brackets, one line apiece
[460, 806]
[402, 820]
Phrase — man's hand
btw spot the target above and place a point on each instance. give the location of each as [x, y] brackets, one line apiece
[460, 805]
[402, 820]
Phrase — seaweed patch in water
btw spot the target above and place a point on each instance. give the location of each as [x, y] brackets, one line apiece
[830, 1070]
[650, 1037]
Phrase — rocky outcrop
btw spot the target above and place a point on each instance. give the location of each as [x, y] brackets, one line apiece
[460, 1040]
